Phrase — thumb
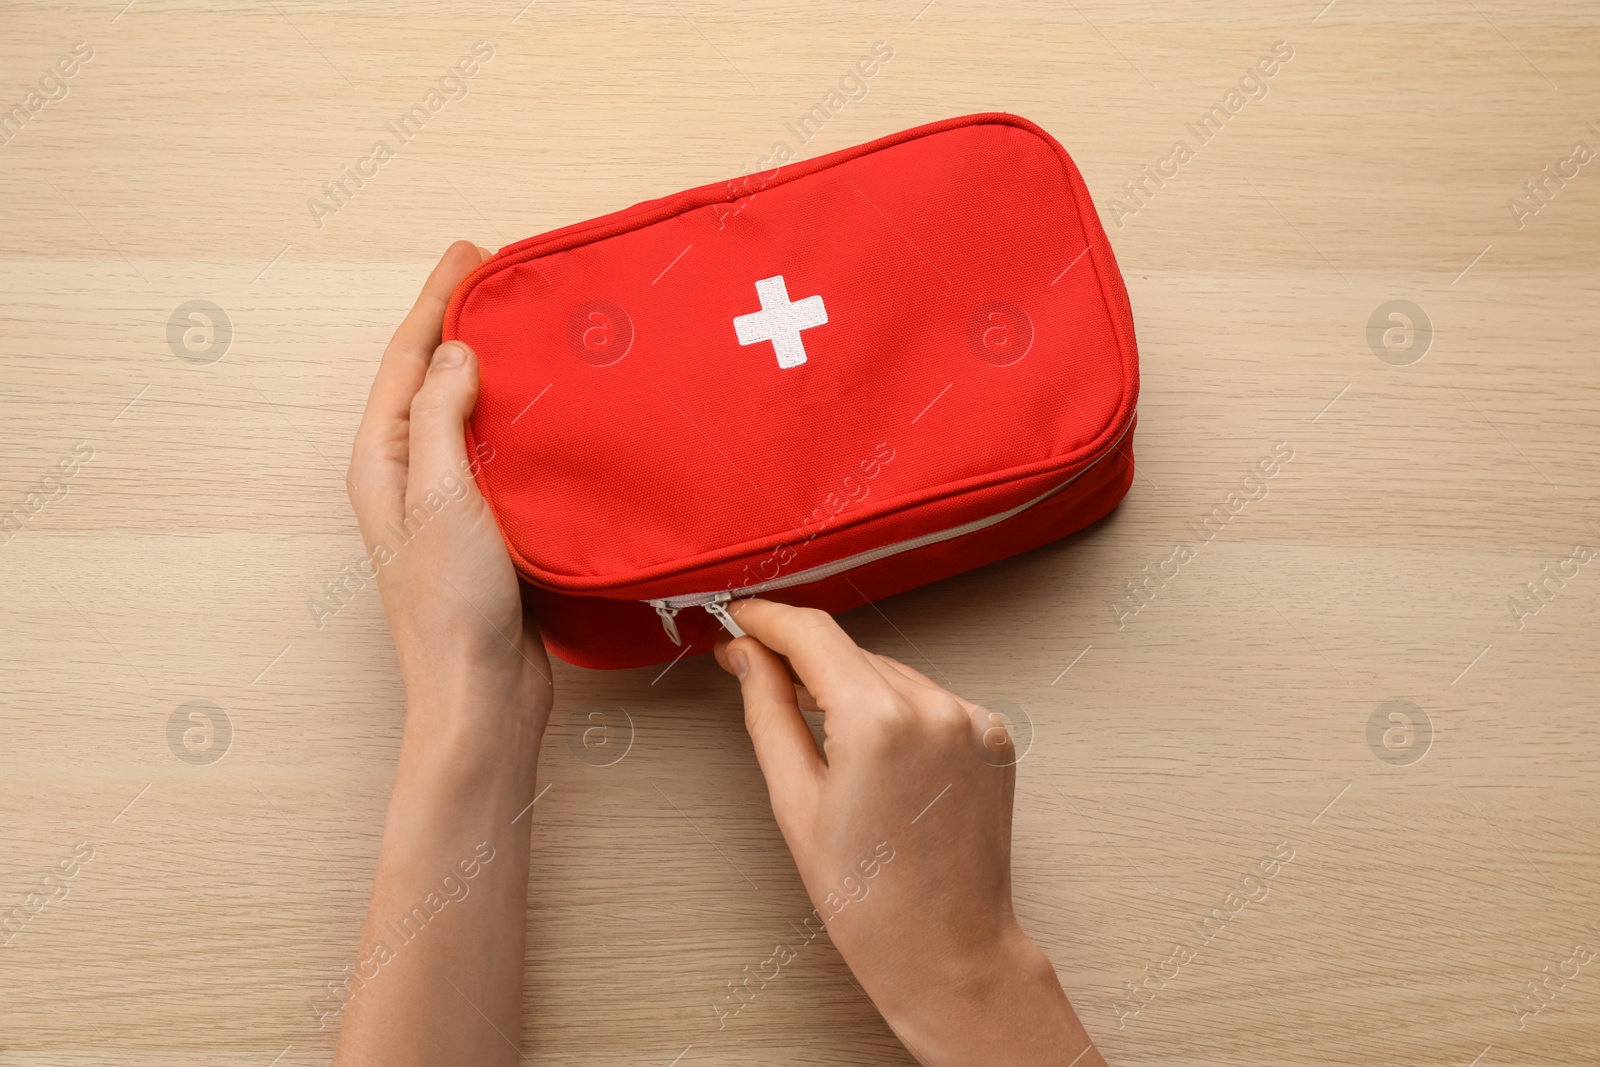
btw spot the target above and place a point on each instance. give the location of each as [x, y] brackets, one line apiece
[784, 747]
[439, 411]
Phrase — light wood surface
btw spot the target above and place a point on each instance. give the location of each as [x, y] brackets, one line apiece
[1228, 716]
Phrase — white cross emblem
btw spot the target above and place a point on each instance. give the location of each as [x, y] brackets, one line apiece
[780, 321]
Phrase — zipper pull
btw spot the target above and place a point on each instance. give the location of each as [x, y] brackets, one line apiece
[668, 622]
[720, 613]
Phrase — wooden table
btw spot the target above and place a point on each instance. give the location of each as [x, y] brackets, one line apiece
[1441, 460]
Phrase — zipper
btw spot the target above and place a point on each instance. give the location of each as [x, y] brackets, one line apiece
[669, 619]
[714, 603]
[720, 613]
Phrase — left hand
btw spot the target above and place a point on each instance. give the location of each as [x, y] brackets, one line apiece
[478, 696]
[449, 588]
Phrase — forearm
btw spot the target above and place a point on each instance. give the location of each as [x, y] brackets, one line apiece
[438, 978]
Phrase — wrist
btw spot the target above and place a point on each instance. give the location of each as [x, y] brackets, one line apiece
[1005, 1007]
[474, 737]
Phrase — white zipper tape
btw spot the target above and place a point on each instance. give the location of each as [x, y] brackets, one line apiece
[668, 607]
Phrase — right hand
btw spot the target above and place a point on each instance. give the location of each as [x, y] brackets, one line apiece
[901, 830]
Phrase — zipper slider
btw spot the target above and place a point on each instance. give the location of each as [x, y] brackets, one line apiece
[720, 613]
[668, 621]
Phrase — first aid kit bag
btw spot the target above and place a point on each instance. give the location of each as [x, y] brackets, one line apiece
[822, 384]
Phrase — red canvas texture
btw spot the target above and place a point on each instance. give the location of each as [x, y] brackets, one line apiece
[977, 351]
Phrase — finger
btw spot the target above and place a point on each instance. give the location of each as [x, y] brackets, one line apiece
[801, 693]
[909, 688]
[919, 682]
[377, 475]
[784, 746]
[824, 658]
[897, 671]
[406, 359]
[438, 425]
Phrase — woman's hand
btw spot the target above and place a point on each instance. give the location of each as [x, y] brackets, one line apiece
[448, 585]
[438, 977]
[901, 829]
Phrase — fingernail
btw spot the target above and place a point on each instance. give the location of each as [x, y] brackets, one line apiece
[449, 355]
[739, 663]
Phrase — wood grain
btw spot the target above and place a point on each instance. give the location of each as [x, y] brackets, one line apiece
[1187, 741]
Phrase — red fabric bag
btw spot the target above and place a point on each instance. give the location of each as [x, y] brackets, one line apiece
[823, 384]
